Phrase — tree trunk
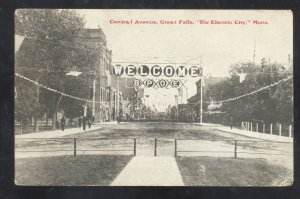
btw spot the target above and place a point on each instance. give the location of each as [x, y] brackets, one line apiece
[54, 116]
[55, 108]
[46, 119]
[36, 124]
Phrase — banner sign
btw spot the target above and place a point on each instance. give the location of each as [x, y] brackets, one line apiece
[155, 70]
[161, 83]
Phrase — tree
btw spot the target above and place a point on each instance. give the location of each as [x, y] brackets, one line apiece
[271, 105]
[54, 46]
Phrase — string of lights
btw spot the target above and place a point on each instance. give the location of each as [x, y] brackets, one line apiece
[217, 102]
[255, 91]
[59, 92]
[247, 94]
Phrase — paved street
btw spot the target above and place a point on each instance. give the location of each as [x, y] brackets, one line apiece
[204, 146]
[192, 140]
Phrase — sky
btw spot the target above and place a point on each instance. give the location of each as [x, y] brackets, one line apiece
[217, 46]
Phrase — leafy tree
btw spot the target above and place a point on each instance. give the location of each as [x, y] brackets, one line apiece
[274, 104]
[53, 47]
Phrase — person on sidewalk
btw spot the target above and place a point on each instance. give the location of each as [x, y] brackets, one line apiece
[57, 124]
[89, 123]
[62, 123]
[84, 123]
[79, 122]
[231, 123]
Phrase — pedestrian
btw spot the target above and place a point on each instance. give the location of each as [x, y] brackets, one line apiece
[84, 123]
[57, 124]
[89, 123]
[62, 123]
[79, 122]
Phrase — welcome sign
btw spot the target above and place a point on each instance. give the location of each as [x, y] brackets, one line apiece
[157, 70]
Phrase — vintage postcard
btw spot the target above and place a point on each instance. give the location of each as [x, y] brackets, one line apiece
[154, 97]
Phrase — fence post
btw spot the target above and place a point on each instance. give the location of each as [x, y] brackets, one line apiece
[241, 125]
[256, 127]
[155, 140]
[175, 152]
[271, 131]
[263, 127]
[134, 146]
[235, 148]
[290, 131]
[251, 126]
[75, 145]
[279, 129]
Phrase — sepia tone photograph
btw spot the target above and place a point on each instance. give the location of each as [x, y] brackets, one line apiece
[109, 97]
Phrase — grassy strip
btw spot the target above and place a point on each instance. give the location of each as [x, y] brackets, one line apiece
[81, 170]
[214, 171]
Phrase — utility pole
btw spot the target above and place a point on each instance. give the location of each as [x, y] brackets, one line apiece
[94, 98]
[186, 91]
[100, 90]
[201, 100]
[36, 122]
[253, 61]
[201, 93]
[176, 101]
[118, 98]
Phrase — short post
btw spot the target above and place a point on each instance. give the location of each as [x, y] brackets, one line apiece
[271, 131]
[256, 127]
[75, 145]
[263, 127]
[279, 129]
[175, 150]
[290, 131]
[235, 148]
[251, 126]
[134, 146]
[155, 143]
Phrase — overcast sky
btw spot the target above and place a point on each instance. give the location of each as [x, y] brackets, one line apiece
[218, 45]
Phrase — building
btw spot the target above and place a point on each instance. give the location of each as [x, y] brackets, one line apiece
[107, 93]
[208, 96]
[132, 99]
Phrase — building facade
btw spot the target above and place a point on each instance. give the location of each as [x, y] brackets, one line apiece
[208, 98]
[108, 98]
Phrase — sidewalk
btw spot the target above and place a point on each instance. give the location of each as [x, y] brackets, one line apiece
[110, 123]
[150, 171]
[57, 133]
[254, 134]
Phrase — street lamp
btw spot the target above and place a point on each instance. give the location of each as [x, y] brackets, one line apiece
[74, 73]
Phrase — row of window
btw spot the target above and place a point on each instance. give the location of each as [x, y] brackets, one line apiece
[105, 95]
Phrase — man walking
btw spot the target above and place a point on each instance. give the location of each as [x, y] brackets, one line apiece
[79, 122]
[84, 123]
[231, 123]
[62, 123]
[89, 123]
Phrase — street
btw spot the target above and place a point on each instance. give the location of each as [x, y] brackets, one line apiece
[119, 138]
[197, 146]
